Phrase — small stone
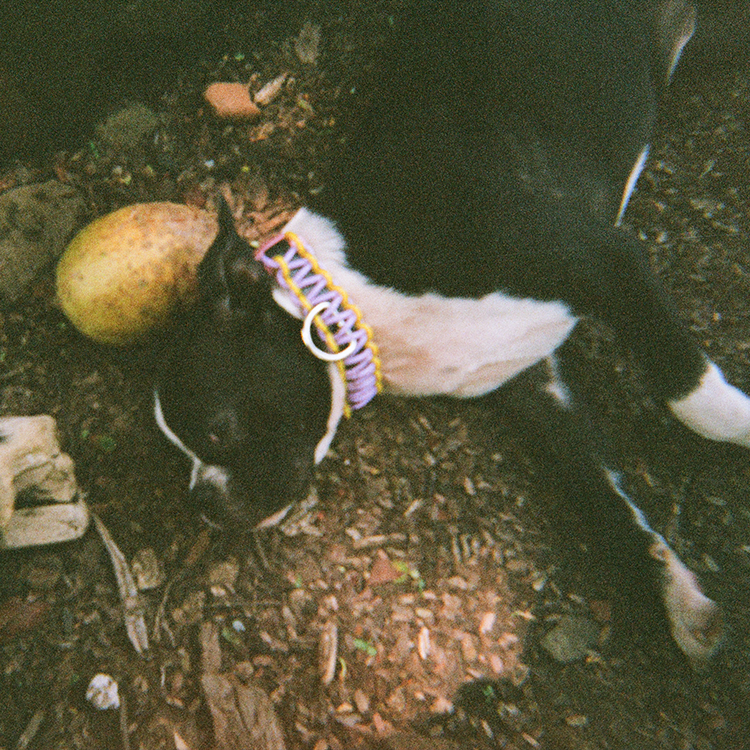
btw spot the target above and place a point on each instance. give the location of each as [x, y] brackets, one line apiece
[487, 622]
[400, 613]
[571, 639]
[497, 664]
[441, 706]
[103, 693]
[576, 720]
[328, 652]
[423, 643]
[383, 570]
[382, 726]
[231, 101]
[457, 582]
[127, 127]
[307, 43]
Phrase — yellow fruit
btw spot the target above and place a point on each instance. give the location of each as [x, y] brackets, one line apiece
[126, 273]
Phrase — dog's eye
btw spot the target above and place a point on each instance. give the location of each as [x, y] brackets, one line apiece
[223, 431]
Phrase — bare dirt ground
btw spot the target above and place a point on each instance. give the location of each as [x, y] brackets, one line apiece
[422, 554]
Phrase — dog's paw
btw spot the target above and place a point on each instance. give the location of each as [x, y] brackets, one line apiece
[695, 620]
[715, 409]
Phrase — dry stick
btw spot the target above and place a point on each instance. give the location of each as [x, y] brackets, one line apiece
[31, 729]
[124, 724]
[160, 619]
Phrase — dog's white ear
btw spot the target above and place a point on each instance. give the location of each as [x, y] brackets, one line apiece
[229, 271]
[675, 25]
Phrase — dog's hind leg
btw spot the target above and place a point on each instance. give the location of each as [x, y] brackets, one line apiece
[692, 386]
[618, 288]
[598, 513]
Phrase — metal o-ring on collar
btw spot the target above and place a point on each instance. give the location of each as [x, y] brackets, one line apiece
[313, 347]
[297, 272]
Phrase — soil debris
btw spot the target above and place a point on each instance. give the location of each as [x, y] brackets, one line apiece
[404, 604]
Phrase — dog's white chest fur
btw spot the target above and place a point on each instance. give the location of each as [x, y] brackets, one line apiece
[430, 344]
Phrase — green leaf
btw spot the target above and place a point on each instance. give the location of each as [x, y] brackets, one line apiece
[365, 646]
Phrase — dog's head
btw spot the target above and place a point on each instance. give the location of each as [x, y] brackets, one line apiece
[240, 394]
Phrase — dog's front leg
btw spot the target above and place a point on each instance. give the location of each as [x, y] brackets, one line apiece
[714, 408]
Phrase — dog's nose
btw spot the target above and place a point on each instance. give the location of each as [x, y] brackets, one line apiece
[207, 499]
[210, 493]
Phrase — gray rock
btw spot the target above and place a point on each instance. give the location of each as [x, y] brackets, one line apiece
[571, 639]
[36, 223]
[128, 126]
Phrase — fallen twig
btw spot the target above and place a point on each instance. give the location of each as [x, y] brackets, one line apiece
[27, 737]
[124, 732]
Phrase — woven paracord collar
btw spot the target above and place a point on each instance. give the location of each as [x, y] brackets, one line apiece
[349, 339]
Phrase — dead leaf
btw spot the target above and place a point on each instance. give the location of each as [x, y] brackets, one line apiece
[133, 607]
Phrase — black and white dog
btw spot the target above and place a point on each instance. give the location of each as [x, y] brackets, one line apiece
[471, 222]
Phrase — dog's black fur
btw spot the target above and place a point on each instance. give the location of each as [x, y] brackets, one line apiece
[491, 167]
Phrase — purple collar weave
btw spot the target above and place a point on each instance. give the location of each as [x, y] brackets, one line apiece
[349, 340]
